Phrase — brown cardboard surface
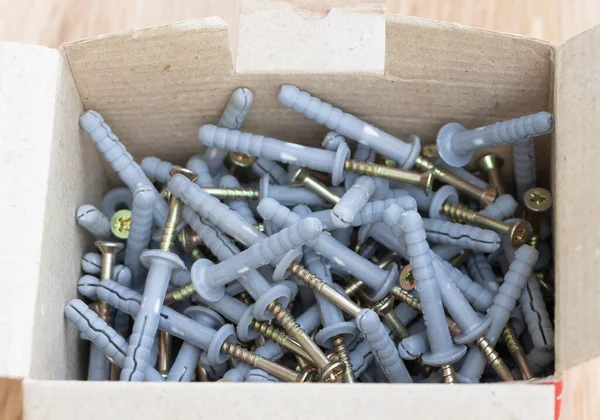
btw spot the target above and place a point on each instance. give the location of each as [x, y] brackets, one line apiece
[11, 399]
[577, 203]
[132, 401]
[164, 83]
[580, 390]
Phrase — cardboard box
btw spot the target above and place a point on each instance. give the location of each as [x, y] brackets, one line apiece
[157, 86]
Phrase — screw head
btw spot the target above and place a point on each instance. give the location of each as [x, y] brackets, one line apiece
[538, 199]
[519, 233]
[120, 223]
[299, 176]
[406, 279]
[107, 247]
[188, 239]
[334, 372]
[185, 172]
[490, 162]
[241, 160]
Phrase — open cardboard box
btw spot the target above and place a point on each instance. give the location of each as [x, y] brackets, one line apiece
[155, 87]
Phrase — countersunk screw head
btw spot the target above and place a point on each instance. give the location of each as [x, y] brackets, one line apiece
[241, 160]
[538, 199]
[519, 233]
[188, 239]
[120, 223]
[107, 247]
[299, 176]
[334, 372]
[490, 162]
[406, 279]
[185, 172]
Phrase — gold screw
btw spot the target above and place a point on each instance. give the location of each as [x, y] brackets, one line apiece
[175, 207]
[385, 309]
[188, 239]
[233, 193]
[339, 347]
[448, 374]
[406, 279]
[430, 151]
[165, 347]
[516, 350]
[241, 160]
[304, 178]
[538, 200]
[518, 232]
[109, 252]
[422, 180]
[276, 335]
[490, 165]
[486, 196]
[459, 259]
[120, 223]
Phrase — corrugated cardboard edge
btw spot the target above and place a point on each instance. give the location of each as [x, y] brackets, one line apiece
[11, 399]
[577, 202]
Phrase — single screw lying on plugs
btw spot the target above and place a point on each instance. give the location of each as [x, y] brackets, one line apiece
[382, 346]
[140, 229]
[349, 126]
[120, 223]
[233, 117]
[504, 301]
[92, 219]
[517, 352]
[378, 280]
[103, 336]
[490, 165]
[161, 264]
[189, 355]
[351, 203]
[336, 332]
[214, 342]
[457, 144]
[523, 151]
[209, 279]
[443, 351]
[486, 196]
[120, 160]
[303, 178]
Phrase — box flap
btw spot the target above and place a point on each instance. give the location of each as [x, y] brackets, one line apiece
[577, 236]
[579, 391]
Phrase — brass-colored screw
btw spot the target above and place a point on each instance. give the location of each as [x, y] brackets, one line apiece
[180, 294]
[175, 207]
[245, 298]
[233, 193]
[339, 347]
[272, 368]
[201, 375]
[276, 335]
[538, 200]
[385, 309]
[517, 352]
[486, 196]
[519, 232]
[109, 251]
[120, 222]
[385, 261]
[188, 239]
[165, 347]
[422, 180]
[533, 241]
[406, 297]
[304, 178]
[460, 259]
[241, 160]
[490, 165]
[430, 151]
[448, 374]
[406, 279]
[330, 372]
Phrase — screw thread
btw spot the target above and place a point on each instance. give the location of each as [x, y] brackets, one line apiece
[516, 350]
[169, 236]
[407, 298]
[307, 277]
[269, 331]
[233, 193]
[459, 212]
[353, 287]
[362, 168]
[494, 360]
[240, 353]
[180, 294]
[448, 374]
[340, 348]
[533, 241]
[286, 319]
[245, 298]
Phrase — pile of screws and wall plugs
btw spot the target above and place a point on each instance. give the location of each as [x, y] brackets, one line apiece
[265, 261]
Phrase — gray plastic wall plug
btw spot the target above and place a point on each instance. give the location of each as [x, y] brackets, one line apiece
[116, 199]
[290, 196]
[539, 359]
[481, 271]
[414, 346]
[269, 350]
[120, 160]
[423, 200]
[197, 165]
[257, 375]
[157, 169]
[464, 236]
[209, 279]
[187, 359]
[233, 117]
[91, 263]
[456, 144]
[380, 281]
[443, 350]
[381, 233]
[361, 357]
[502, 208]
[446, 252]
[139, 231]
[102, 336]
[239, 206]
[349, 126]
[479, 297]
[350, 204]
[263, 166]
[523, 152]
[545, 257]
[92, 220]
[504, 302]
[536, 315]
[382, 346]
[310, 319]
[278, 150]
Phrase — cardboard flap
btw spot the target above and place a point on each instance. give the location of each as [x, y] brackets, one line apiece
[311, 36]
[577, 202]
